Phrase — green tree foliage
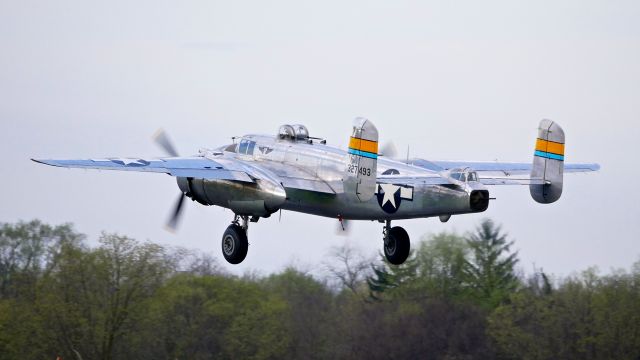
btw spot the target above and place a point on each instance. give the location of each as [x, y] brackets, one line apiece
[93, 298]
[348, 268]
[410, 328]
[309, 305]
[491, 268]
[29, 252]
[586, 317]
[28, 249]
[392, 280]
[442, 259]
[456, 298]
[203, 317]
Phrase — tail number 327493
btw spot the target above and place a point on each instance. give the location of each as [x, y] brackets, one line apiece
[354, 169]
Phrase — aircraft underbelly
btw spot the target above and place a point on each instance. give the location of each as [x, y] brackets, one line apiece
[403, 203]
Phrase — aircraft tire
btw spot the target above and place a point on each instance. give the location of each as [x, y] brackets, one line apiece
[234, 244]
[397, 248]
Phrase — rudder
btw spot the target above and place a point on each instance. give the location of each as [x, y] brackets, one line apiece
[362, 160]
[548, 163]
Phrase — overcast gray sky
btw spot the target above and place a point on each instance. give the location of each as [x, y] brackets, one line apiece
[465, 80]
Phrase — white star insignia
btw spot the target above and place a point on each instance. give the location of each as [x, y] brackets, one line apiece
[128, 161]
[389, 192]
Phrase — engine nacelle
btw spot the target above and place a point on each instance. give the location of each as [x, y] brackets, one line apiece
[261, 198]
[479, 200]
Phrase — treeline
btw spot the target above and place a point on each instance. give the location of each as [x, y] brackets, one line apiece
[457, 297]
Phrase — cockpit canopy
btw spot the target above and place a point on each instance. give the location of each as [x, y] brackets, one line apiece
[464, 175]
[293, 132]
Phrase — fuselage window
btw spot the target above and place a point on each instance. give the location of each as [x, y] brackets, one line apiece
[252, 145]
[243, 147]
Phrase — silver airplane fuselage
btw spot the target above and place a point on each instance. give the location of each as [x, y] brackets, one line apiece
[319, 173]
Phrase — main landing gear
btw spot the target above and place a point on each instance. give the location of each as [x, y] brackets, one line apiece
[234, 240]
[396, 243]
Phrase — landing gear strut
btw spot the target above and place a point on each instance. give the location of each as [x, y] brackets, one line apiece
[396, 243]
[234, 240]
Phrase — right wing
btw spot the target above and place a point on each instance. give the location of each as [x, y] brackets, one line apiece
[201, 167]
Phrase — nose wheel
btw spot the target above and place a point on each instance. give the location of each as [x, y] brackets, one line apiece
[235, 243]
[396, 244]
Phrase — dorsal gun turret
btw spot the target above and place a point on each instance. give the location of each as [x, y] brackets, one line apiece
[294, 132]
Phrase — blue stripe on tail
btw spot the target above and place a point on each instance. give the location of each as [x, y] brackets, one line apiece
[363, 153]
[548, 155]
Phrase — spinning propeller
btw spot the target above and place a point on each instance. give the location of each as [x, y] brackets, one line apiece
[162, 140]
[389, 150]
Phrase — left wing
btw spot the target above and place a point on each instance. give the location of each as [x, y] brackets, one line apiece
[544, 175]
[500, 173]
[197, 166]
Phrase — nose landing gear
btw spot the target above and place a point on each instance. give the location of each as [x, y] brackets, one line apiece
[234, 240]
[396, 243]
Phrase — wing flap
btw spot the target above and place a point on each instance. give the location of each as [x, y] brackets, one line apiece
[294, 177]
[307, 184]
[212, 174]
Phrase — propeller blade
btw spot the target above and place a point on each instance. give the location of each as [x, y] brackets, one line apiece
[162, 140]
[172, 224]
[389, 150]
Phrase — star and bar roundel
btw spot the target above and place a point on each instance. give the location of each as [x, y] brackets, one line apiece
[390, 196]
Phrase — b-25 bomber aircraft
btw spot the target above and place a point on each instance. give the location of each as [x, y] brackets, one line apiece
[260, 175]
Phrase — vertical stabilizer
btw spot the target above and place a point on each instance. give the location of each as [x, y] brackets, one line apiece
[362, 160]
[548, 163]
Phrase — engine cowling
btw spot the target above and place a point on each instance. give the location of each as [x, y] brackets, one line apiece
[261, 198]
[479, 200]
